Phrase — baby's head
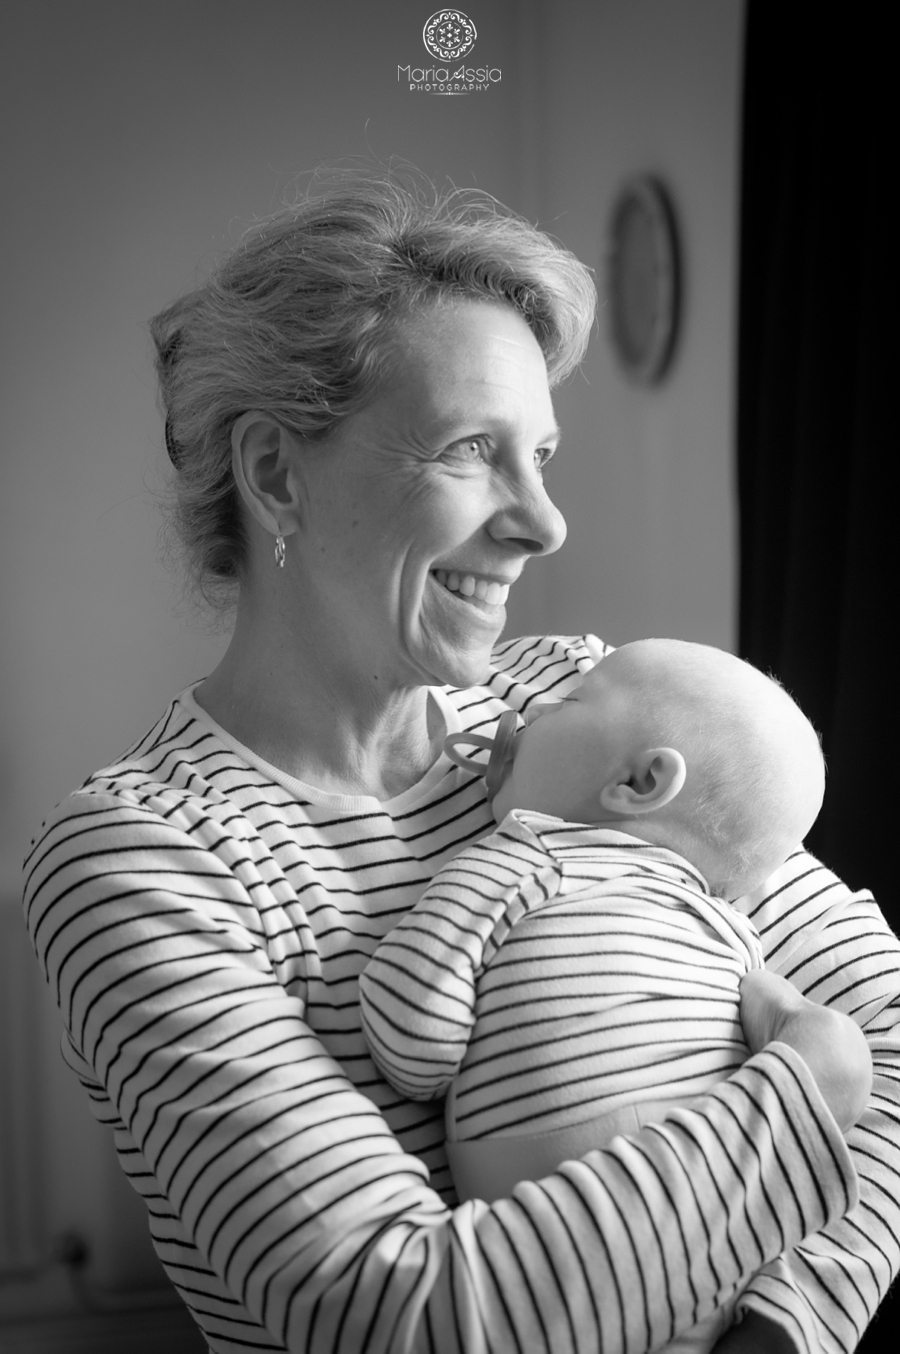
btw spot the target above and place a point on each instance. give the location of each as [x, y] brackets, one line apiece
[681, 744]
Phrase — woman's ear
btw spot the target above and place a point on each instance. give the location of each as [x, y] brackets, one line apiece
[651, 780]
[261, 459]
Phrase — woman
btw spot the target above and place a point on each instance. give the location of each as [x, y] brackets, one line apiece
[359, 412]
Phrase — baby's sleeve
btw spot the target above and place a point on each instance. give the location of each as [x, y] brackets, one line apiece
[418, 991]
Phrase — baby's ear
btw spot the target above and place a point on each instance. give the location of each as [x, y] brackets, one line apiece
[651, 780]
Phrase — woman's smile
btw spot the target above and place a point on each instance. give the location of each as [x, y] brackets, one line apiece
[475, 589]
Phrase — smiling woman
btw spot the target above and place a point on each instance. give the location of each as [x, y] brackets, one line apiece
[359, 414]
[410, 520]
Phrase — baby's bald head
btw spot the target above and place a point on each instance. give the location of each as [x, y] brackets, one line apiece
[755, 771]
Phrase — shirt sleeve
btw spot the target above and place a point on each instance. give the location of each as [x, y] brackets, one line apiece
[417, 992]
[837, 948]
[288, 1181]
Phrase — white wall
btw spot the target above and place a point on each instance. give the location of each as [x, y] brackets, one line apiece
[646, 477]
[140, 140]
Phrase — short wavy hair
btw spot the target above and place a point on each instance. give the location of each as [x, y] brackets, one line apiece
[296, 322]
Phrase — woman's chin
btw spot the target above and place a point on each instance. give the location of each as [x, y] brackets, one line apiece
[461, 665]
[456, 637]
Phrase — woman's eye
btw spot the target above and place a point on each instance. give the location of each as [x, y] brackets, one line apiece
[470, 449]
[479, 449]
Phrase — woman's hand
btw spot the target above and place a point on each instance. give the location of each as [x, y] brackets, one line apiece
[832, 1045]
[755, 1335]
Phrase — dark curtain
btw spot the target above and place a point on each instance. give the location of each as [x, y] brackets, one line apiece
[818, 318]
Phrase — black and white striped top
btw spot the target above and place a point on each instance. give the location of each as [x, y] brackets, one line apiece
[556, 972]
[202, 920]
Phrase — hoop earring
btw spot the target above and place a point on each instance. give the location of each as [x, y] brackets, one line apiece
[279, 552]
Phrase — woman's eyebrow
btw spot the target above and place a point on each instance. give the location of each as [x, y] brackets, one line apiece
[554, 435]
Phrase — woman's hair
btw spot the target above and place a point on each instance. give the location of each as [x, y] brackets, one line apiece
[297, 321]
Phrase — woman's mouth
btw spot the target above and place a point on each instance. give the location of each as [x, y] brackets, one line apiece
[470, 587]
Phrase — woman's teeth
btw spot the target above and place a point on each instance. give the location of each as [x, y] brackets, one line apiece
[467, 585]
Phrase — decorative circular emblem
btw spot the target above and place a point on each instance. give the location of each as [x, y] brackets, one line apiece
[449, 34]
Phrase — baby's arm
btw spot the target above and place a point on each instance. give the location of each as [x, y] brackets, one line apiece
[417, 993]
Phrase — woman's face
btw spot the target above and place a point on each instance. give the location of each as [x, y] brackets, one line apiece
[420, 511]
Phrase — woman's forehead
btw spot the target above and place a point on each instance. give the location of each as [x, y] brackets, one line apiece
[460, 335]
[475, 357]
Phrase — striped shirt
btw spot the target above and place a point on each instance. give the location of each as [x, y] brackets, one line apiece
[554, 973]
[202, 920]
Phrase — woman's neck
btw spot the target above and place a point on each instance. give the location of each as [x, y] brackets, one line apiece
[326, 727]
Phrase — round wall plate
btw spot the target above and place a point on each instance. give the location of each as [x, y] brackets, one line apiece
[642, 279]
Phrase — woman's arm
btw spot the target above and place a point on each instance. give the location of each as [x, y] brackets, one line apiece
[287, 1180]
[836, 947]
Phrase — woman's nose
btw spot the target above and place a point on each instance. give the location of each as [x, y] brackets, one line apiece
[531, 520]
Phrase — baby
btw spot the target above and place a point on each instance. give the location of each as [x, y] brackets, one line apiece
[576, 973]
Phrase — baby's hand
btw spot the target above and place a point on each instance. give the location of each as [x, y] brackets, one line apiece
[832, 1045]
